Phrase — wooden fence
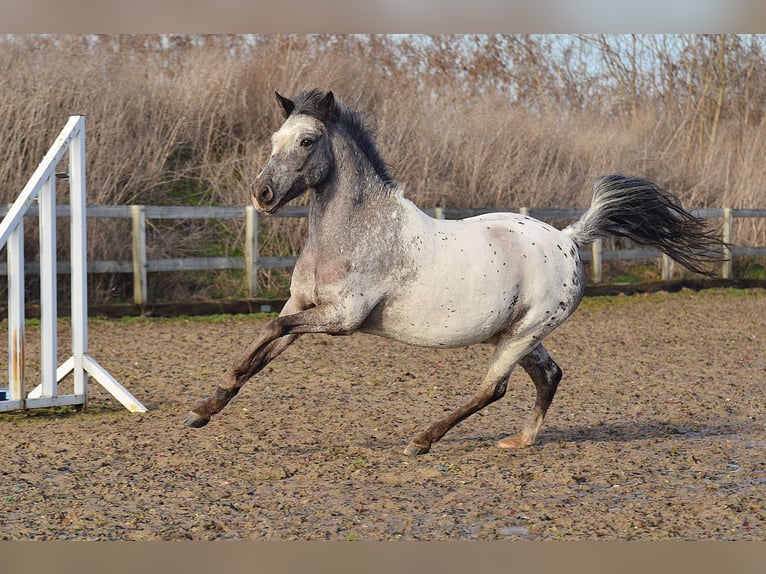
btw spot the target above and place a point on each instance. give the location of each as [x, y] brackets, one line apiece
[139, 266]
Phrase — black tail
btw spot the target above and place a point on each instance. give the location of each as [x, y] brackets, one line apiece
[640, 210]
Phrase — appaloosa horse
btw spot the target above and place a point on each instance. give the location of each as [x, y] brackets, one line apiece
[373, 262]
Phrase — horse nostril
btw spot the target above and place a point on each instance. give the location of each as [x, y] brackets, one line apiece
[264, 194]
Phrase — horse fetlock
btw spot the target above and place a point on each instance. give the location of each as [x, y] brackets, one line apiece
[224, 394]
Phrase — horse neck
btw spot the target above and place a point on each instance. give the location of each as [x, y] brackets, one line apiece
[351, 189]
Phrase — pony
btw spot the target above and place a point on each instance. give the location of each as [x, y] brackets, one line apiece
[373, 262]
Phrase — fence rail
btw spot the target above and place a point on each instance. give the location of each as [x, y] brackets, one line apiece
[140, 266]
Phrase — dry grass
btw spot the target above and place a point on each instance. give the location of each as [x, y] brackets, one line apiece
[464, 121]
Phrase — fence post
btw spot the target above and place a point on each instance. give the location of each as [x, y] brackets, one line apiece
[596, 262]
[138, 216]
[667, 268]
[251, 249]
[728, 233]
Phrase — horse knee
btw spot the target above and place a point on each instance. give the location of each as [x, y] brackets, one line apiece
[225, 394]
[274, 329]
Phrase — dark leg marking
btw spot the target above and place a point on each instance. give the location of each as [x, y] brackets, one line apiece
[545, 374]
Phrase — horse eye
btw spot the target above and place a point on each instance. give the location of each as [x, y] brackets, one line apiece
[307, 142]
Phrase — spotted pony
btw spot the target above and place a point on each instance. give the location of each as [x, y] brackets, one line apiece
[373, 262]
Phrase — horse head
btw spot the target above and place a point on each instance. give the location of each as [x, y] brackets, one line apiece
[301, 151]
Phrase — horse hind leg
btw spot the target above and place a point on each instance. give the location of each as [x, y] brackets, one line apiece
[507, 354]
[546, 374]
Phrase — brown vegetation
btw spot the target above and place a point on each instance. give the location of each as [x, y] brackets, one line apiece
[465, 121]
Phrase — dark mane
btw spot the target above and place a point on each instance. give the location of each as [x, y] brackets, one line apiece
[354, 124]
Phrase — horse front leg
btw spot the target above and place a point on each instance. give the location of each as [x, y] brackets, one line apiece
[259, 354]
[275, 337]
[234, 378]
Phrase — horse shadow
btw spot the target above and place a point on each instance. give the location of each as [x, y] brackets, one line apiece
[613, 432]
[633, 431]
[607, 432]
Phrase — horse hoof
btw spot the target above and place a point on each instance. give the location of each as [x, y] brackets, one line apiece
[414, 449]
[515, 441]
[196, 421]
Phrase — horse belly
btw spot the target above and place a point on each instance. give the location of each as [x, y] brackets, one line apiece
[446, 312]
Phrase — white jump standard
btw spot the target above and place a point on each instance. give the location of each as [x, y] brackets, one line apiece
[42, 187]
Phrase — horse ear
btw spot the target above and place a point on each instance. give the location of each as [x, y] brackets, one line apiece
[286, 105]
[326, 106]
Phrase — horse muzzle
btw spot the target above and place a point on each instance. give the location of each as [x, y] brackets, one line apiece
[264, 198]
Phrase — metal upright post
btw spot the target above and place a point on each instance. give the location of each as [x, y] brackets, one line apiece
[16, 302]
[80, 363]
[48, 281]
[78, 258]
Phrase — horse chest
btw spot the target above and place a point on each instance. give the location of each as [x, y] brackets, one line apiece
[320, 278]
